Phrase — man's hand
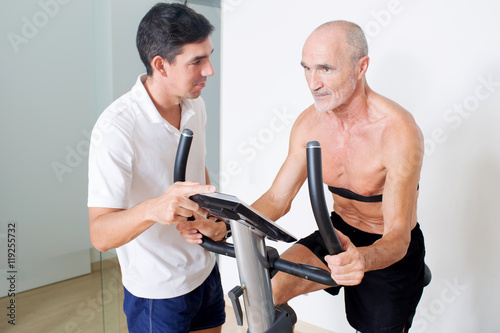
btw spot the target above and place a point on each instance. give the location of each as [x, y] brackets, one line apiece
[174, 206]
[111, 228]
[193, 231]
[347, 268]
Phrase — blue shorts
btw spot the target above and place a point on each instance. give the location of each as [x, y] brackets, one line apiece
[201, 309]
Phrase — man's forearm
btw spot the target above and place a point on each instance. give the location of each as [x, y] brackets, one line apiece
[388, 250]
[271, 208]
[116, 228]
[110, 228]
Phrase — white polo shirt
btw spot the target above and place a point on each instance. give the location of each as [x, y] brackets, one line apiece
[131, 159]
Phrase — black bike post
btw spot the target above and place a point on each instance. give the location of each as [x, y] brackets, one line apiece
[317, 196]
[182, 155]
[250, 253]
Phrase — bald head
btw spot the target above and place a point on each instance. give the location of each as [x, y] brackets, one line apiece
[334, 58]
[348, 32]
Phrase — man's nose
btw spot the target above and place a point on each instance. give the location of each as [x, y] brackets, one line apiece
[314, 81]
[208, 70]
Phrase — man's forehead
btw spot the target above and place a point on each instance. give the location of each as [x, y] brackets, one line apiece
[197, 49]
[319, 53]
[323, 48]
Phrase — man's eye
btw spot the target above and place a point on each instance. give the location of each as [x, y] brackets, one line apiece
[326, 69]
[197, 62]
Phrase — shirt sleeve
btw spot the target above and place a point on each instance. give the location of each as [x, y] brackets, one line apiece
[111, 158]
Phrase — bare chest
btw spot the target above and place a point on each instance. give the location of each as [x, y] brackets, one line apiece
[353, 161]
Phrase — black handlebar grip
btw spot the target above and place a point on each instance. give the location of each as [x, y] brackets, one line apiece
[317, 196]
[182, 155]
[224, 248]
[180, 164]
[304, 271]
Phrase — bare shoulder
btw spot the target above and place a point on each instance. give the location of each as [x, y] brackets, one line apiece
[306, 117]
[402, 142]
[399, 124]
[302, 127]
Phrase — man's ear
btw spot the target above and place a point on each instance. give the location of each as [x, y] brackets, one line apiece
[363, 66]
[158, 64]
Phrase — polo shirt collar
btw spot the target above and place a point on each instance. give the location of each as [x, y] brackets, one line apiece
[148, 109]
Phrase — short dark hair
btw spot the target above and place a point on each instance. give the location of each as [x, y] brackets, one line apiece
[166, 28]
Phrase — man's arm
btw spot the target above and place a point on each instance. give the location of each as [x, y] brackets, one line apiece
[403, 161]
[111, 228]
[277, 201]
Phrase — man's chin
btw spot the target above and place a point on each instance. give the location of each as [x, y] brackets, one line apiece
[193, 95]
[322, 107]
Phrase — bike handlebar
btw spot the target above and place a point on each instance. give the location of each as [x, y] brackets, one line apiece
[317, 196]
[182, 155]
[317, 200]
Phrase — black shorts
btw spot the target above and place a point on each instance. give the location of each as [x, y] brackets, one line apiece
[385, 300]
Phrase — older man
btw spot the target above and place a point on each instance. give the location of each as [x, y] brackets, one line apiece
[372, 153]
[372, 157]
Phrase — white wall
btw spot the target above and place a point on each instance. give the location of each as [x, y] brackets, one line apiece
[439, 60]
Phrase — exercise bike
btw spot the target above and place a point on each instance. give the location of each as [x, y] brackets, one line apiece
[258, 263]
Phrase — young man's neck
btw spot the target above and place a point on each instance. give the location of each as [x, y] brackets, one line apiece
[167, 105]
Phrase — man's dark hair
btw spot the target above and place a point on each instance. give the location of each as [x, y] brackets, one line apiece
[166, 28]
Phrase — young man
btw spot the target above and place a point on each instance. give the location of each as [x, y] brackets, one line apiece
[134, 206]
[372, 153]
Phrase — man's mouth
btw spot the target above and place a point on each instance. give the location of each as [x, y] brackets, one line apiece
[201, 83]
[319, 95]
